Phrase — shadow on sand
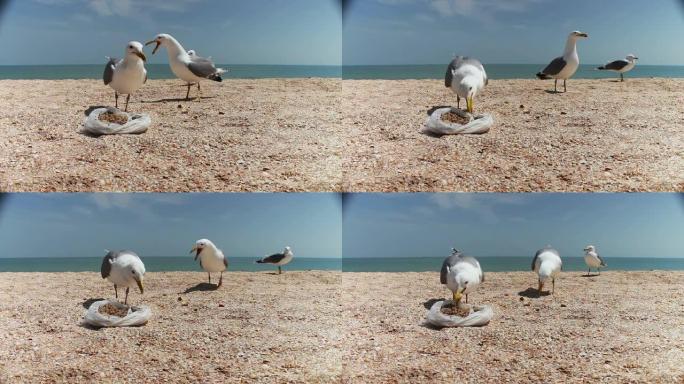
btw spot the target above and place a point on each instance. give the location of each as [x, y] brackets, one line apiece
[532, 293]
[202, 287]
[86, 304]
[428, 304]
[176, 99]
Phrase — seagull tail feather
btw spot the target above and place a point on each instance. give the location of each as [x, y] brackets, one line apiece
[542, 76]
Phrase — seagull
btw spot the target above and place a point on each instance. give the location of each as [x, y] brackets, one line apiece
[547, 263]
[466, 77]
[278, 259]
[593, 260]
[565, 66]
[191, 69]
[620, 66]
[123, 268]
[126, 75]
[211, 258]
[461, 274]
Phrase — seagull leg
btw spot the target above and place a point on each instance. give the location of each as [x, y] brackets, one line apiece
[199, 92]
[466, 298]
[116, 292]
[279, 270]
[209, 274]
[116, 99]
[622, 77]
[126, 299]
[127, 98]
[458, 101]
[220, 280]
[565, 89]
[555, 83]
[187, 95]
[553, 286]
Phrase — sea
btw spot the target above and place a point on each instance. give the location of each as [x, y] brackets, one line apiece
[498, 71]
[385, 72]
[379, 264]
[163, 71]
[507, 264]
[159, 264]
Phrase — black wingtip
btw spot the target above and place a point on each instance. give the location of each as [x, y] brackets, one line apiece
[216, 77]
[601, 68]
[542, 76]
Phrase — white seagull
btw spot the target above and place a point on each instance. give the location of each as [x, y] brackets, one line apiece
[620, 66]
[565, 66]
[191, 69]
[211, 259]
[278, 259]
[461, 274]
[123, 268]
[547, 263]
[126, 75]
[593, 260]
[466, 77]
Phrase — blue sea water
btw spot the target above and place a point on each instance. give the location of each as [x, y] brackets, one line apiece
[498, 71]
[157, 264]
[162, 71]
[506, 264]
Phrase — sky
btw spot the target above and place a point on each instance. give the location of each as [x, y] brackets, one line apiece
[168, 224]
[379, 32]
[282, 32]
[489, 224]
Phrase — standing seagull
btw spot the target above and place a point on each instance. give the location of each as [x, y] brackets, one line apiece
[128, 75]
[123, 268]
[278, 259]
[211, 259]
[191, 69]
[565, 66]
[620, 66]
[461, 274]
[593, 260]
[466, 77]
[547, 263]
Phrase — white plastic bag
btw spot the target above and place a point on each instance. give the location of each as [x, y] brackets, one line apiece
[478, 124]
[481, 315]
[137, 123]
[136, 315]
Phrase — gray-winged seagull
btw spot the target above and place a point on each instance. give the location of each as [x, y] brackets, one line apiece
[461, 274]
[211, 258]
[126, 75]
[191, 69]
[123, 269]
[278, 259]
[620, 66]
[565, 66]
[466, 77]
[593, 259]
[547, 263]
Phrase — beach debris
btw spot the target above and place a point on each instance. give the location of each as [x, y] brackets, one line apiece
[475, 124]
[110, 313]
[478, 315]
[112, 121]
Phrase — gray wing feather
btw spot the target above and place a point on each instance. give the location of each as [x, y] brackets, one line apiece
[449, 261]
[106, 267]
[274, 258]
[603, 263]
[108, 74]
[615, 65]
[201, 67]
[555, 66]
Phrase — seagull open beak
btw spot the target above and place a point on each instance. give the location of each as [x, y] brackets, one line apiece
[469, 104]
[140, 285]
[156, 47]
[584, 35]
[141, 55]
[197, 250]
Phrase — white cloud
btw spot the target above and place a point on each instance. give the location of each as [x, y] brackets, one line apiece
[125, 7]
[484, 204]
[449, 8]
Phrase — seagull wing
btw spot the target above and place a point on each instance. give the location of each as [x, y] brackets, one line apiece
[202, 67]
[603, 263]
[555, 66]
[615, 65]
[536, 256]
[108, 74]
[449, 76]
[106, 267]
[448, 262]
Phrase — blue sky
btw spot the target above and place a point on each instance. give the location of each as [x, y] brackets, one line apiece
[231, 31]
[511, 31]
[157, 224]
[483, 224]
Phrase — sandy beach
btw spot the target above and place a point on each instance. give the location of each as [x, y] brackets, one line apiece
[257, 327]
[601, 135]
[615, 328]
[245, 135]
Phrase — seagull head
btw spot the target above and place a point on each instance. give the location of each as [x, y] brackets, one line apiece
[469, 86]
[137, 270]
[161, 39]
[199, 246]
[578, 35]
[135, 48]
[192, 53]
[457, 282]
[589, 248]
[631, 57]
[287, 249]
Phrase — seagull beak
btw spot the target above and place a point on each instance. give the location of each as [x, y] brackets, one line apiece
[457, 296]
[584, 35]
[140, 285]
[141, 55]
[469, 104]
[155, 48]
